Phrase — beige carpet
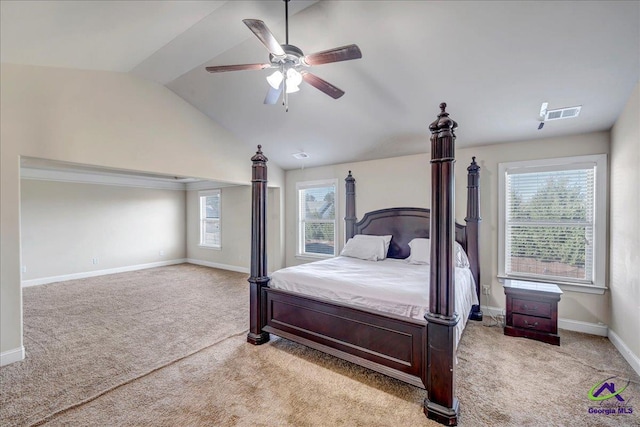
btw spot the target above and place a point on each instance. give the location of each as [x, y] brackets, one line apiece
[83, 337]
[166, 347]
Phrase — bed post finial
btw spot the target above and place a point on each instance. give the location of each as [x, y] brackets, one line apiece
[473, 230]
[473, 187]
[259, 156]
[350, 207]
[441, 403]
[258, 278]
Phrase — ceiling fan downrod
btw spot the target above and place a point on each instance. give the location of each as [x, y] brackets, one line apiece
[285, 97]
[286, 21]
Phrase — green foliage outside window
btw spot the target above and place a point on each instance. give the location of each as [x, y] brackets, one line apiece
[319, 220]
[557, 201]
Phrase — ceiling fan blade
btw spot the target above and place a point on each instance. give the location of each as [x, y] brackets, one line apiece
[322, 85]
[273, 95]
[239, 67]
[337, 54]
[266, 37]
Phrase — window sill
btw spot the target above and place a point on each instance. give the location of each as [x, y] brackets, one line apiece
[570, 287]
[215, 248]
[309, 257]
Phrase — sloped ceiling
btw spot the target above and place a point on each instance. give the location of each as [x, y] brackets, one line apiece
[493, 62]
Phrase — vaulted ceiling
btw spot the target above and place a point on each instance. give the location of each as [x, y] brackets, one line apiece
[493, 62]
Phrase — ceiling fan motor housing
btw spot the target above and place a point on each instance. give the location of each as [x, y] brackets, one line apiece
[293, 56]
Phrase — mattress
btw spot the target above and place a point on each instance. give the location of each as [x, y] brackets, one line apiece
[390, 286]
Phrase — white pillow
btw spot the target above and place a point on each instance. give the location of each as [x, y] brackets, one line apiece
[367, 249]
[386, 239]
[462, 261]
[420, 251]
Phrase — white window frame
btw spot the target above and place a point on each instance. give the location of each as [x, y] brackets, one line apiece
[202, 195]
[599, 161]
[301, 222]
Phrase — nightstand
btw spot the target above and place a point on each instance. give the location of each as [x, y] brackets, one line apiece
[532, 310]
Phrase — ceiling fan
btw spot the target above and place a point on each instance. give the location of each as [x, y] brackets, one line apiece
[291, 63]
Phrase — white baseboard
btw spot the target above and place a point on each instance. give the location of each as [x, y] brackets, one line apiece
[625, 351]
[492, 311]
[64, 277]
[11, 356]
[218, 265]
[584, 327]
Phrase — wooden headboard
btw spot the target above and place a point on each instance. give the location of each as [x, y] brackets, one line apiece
[404, 224]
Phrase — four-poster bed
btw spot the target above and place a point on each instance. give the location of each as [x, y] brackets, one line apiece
[418, 351]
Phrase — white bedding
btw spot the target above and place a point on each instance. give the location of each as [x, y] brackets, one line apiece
[391, 286]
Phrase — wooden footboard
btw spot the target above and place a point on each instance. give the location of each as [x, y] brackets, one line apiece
[391, 345]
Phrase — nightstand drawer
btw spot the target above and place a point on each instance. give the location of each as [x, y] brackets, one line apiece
[533, 323]
[534, 308]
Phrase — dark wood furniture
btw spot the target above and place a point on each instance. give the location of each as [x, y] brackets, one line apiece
[532, 310]
[418, 352]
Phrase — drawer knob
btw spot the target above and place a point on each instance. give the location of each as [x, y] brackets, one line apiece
[526, 307]
[531, 325]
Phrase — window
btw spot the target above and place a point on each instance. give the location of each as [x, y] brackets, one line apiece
[317, 218]
[210, 218]
[553, 220]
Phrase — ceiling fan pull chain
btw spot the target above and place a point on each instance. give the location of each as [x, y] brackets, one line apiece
[285, 97]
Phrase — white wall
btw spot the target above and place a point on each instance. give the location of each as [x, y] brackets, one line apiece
[405, 181]
[107, 119]
[235, 251]
[624, 256]
[392, 182]
[576, 306]
[64, 226]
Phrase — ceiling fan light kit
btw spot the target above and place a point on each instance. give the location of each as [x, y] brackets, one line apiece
[293, 80]
[275, 79]
[291, 63]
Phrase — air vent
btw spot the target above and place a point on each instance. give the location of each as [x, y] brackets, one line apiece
[563, 113]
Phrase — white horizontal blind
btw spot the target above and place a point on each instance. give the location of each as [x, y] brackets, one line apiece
[317, 218]
[549, 222]
[210, 235]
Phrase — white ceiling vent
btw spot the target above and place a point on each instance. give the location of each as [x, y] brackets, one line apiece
[563, 113]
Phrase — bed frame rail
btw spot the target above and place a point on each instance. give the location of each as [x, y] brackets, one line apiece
[391, 345]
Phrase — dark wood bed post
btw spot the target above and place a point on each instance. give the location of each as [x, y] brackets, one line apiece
[441, 404]
[258, 279]
[473, 222]
[350, 208]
